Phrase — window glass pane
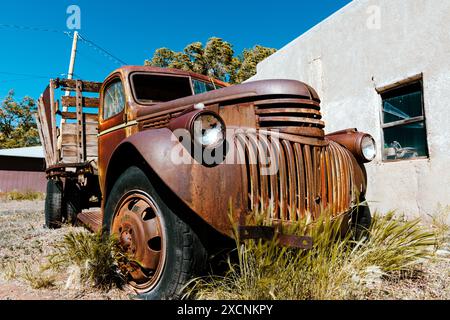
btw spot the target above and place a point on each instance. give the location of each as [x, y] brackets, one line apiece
[402, 104]
[114, 101]
[202, 87]
[405, 141]
[151, 88]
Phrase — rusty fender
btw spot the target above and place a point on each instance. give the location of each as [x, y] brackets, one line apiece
[208, 191]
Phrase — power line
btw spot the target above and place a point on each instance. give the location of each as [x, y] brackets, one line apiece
[94, 61]
[14, 80]
[90, 43]
[101, 50]
[38, 29]
[22, 74]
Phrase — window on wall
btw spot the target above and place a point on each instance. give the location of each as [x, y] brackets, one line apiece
[403, 123]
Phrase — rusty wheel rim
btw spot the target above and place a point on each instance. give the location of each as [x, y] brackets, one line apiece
[139, 227]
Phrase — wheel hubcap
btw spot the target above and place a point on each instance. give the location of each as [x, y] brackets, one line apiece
[138, 226]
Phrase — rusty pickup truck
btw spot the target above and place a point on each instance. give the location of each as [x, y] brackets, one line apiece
[160, 157]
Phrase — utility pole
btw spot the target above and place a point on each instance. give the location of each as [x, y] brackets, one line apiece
[72, 58]
[73, 55]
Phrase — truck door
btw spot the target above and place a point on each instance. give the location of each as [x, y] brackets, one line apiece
[112, 121]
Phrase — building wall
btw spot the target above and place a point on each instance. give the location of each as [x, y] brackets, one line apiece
[22, 174]
[349, 55]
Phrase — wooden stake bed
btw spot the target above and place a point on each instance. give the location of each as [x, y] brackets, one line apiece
[72, 145]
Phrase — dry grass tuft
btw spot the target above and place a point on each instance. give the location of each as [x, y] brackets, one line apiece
[337, 267]
[96, 259]
[38, 279]
[440, 222]
[21, 196]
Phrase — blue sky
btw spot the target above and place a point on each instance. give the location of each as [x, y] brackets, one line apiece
[132, 30]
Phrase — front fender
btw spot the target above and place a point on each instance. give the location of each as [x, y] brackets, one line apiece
[207, 191]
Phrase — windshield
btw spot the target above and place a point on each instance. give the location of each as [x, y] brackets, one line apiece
[150, 88]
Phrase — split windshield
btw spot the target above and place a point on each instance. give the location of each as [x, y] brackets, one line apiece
[151, 88]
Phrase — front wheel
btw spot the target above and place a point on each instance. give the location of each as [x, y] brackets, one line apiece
[165, 252]
[361, 221]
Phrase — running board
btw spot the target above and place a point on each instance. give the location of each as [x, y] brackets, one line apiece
[92, 219]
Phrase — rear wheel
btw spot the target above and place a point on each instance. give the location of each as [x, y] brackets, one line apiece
[72, 201]
[166, 252]
[53, 204]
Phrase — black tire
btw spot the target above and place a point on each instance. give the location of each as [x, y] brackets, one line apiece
[185, 255]
[72, 201]
[53, 204]
[361, 221]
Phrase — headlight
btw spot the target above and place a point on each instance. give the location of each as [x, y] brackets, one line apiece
[208, 130]
[368, 148]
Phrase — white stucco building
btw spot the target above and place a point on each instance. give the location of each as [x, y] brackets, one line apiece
[383, 66]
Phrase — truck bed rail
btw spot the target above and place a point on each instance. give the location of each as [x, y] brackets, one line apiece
[74, 140]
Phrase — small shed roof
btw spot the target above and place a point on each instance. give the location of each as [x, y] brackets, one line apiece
[28, 152]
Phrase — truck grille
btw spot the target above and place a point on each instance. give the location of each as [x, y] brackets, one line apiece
[290, 115]
[310, 179]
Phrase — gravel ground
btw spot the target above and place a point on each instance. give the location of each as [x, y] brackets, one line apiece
[25, 243]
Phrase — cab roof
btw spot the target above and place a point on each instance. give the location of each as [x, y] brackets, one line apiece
[126, 70]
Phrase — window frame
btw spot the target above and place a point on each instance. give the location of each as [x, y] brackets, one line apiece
[418, 79]
[110, 82]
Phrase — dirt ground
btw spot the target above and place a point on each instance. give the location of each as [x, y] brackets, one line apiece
[25, 244]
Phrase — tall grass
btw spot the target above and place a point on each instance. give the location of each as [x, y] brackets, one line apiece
[337, 267]
[99, 260]
[440, 222]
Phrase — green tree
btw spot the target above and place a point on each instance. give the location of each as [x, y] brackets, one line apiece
[246, 64]
[215, 59]
[17, 125]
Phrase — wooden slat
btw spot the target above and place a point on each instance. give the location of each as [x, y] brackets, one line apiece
[92, 151]
[72, 151]
[46, 117]
[53, 118]
[68, 101]
[41, 138]
[88, 117]
[81, 155]
[46, 143]
[91, 139]
[88, 86]
[71, 128]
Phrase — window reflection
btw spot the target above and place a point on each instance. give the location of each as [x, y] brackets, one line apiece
[403, 124]
[114, 100]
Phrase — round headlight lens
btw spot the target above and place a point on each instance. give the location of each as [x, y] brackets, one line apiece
[368, 148]
[209, 130]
